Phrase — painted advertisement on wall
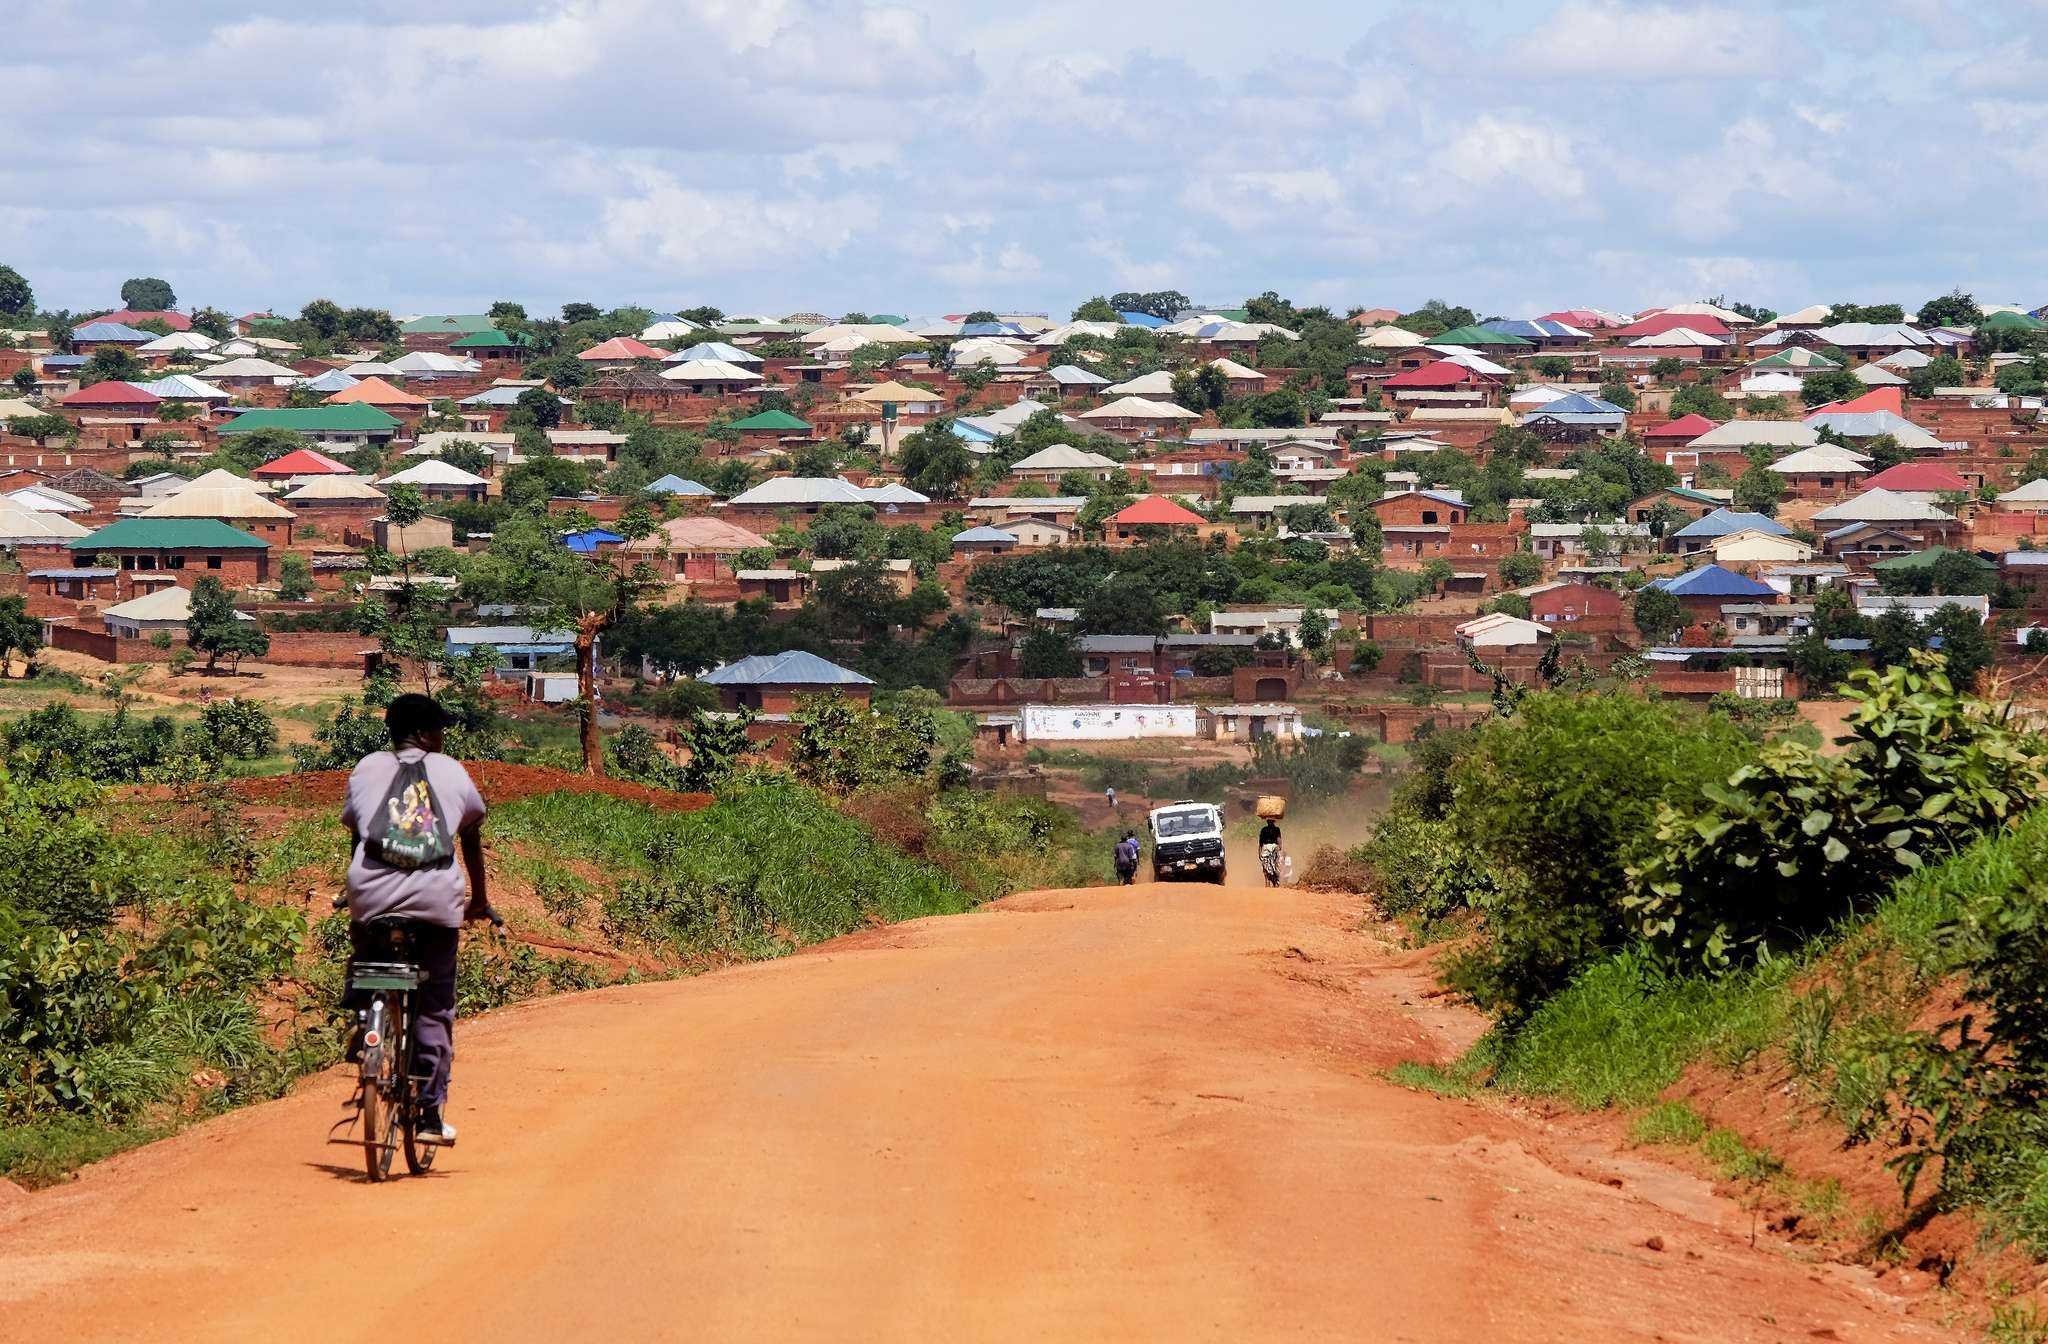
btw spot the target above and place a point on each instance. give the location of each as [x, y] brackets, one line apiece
[1106, 723]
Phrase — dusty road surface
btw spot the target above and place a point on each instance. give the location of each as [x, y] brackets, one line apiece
[1150, 1113]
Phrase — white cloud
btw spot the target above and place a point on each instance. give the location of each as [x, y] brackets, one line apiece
[1605, 39]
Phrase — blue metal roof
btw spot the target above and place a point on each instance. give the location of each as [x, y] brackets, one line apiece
[790, 668]
[1578, 403]
[990, 329]
[1727, 522]
[1713, 581]
[587, 541]
[65, 361]
[984, 534]
[1145, 320]
[110, 331]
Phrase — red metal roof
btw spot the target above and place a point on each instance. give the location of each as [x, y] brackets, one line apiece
[1157, 510]
[623, 347]
[1443, 373]
[1891, 399]
[1688, 427]
[135, 317]
[1916, 478]
[303, 462]
[1577, 317]
[1656, 324]
[112, 393]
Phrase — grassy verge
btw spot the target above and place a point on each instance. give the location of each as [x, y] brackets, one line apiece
[1828, 1021]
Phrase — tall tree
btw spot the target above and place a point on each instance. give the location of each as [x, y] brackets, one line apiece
[215, 630]
[19, 632]
[1953, 309]
[17, 298]
[148, 294]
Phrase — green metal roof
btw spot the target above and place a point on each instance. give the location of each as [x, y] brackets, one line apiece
[466, 323]
[352, 417]
[2000, 320]
[491, 340]
[1916, 560]
[168, 534]
[769, 419]
[1477, 336]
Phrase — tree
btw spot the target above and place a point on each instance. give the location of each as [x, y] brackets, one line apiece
[1314, 631]
[934, 460]
[1830, 385]
[1125, 604]
[1049, 653]
[110, 363]
[294, 577]
[216, 630]
[1659, 615]
[1941, 371]
[324, 316]
[1161, 303]
[1820, 667]
[1758, 490]
[24, 380]
[1866, 312]
[1270, 307]
[1518, 569]
[1953, 309]
[212, 322]
[540, 405]
[1700, 399]
[371, 326]
[17, 298]
[1618, 393]
[148, 294]
[1097, 309]
[979, 315]
[19, 632]
[561, 590]
[1552, 366]
[1964, 645]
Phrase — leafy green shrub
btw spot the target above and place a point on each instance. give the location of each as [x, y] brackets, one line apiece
[353, 733]
[235, 729]
[1559, 799]
[1423, 869]
[1756, 866]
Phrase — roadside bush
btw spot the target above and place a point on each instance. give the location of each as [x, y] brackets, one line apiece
[1558, 800]
[353, 733]
[234, 729]
[1423, 869]
[1752, 868]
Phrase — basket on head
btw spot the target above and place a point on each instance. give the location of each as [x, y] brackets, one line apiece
[1271, 806]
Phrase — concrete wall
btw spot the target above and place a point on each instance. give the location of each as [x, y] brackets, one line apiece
[1107, 723]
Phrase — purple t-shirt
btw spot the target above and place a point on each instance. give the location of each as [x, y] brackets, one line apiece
[432, 895]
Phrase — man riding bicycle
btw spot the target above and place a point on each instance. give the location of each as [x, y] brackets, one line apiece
[431, 898]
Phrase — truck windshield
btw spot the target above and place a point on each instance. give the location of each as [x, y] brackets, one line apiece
[1190, 821]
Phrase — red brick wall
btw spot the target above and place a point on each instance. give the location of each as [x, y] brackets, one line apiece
[291, 648]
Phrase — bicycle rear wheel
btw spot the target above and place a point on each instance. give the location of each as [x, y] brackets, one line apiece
[419, 1157]
[382, 1090]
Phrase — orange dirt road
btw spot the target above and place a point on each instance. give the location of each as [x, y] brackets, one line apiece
[1150, 1113]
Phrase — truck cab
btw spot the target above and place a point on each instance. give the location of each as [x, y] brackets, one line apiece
[1187, 842]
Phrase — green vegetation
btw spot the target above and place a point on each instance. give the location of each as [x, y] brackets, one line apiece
[1792, 916]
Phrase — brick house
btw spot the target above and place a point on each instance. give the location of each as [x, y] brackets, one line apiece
[205, 546]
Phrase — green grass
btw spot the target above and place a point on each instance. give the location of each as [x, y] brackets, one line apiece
[758, 873]
[1670, 1122]
[44, 1151]
[1624, 1030]
[1431, 1078]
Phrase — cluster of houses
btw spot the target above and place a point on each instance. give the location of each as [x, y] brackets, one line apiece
[106, 550]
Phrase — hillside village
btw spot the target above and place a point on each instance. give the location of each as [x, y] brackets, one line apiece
[1244, 510]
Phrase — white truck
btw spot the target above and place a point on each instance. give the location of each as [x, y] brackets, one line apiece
[1187, 842]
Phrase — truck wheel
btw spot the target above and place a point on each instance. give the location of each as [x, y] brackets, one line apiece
[1217, 877]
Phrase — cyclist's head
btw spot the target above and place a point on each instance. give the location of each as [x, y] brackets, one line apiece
[416, 720]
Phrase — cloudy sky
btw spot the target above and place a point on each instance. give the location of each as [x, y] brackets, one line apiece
[774, 155]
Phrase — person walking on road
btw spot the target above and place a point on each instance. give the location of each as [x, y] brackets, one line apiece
[1269, 851]
[1127, 859]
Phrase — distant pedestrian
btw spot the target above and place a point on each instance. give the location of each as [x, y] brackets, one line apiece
[1109, 796]
[1126, 859]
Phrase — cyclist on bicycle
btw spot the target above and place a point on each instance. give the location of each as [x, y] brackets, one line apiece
[433, 900]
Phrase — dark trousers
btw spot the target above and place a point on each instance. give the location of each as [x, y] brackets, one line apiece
[433, 1028]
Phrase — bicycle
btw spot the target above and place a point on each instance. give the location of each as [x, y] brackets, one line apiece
[387, 1095]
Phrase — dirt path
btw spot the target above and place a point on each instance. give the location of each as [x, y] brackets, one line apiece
[1146, 1113]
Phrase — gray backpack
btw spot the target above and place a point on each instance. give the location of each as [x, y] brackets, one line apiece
[409, 831]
